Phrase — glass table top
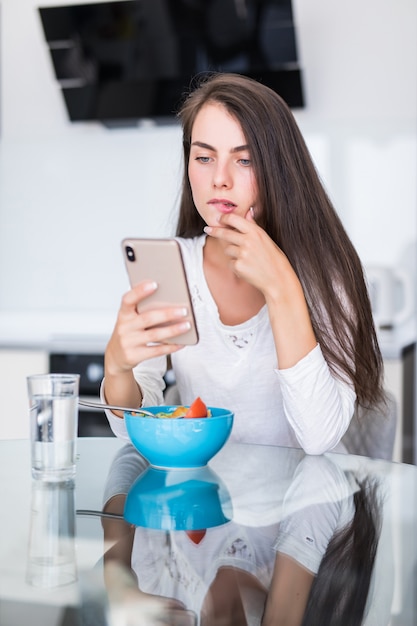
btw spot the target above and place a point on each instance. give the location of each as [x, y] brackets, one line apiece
[201, 546]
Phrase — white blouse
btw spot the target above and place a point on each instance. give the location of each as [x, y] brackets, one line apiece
[236, 367]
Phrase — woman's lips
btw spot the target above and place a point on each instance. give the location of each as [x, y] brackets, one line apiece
[223, 205]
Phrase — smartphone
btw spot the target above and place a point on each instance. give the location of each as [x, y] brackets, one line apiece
[161, 260]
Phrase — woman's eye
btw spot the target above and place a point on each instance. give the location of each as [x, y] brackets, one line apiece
[203, 159]
[245, 162]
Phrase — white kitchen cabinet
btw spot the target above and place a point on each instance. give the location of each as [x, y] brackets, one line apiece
[15, 365]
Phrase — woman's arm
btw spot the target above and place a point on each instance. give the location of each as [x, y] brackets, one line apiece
[317, 405]
[118, 534]
[135, 339]
[288, 594]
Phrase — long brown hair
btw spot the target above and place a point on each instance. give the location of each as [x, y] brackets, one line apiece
[340, 590]
[296, 212]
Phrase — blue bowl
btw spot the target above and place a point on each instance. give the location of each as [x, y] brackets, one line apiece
[179, 442]
[183, 499]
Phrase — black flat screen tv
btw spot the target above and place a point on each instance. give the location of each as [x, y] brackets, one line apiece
[119, 62]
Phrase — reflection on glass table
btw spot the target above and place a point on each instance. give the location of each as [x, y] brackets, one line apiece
[51, 551]
[293, 550]
[185, 499]
[259, 535]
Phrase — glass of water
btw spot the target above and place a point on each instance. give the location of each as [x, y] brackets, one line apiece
[53, 409]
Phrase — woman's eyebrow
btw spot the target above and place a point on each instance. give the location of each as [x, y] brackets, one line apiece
[201, 144]
[207, 146]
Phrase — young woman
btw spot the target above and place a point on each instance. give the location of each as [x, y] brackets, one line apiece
[287, 339]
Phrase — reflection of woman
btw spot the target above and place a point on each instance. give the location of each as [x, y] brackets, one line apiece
[334, 589]
[312, 565]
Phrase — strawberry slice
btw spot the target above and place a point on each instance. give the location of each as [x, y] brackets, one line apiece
[197, 409]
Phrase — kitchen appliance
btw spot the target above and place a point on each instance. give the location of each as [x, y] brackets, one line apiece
[392, 296]
[118, 62]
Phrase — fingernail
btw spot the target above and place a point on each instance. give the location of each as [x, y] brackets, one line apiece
[207, 229]
[185, 326]
[150, 286]
[181, 312]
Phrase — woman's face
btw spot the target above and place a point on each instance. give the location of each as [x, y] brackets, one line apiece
[220, 169]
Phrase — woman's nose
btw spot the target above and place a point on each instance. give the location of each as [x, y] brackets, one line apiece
[222, 176]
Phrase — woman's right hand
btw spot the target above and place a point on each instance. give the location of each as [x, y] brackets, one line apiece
[137, 337]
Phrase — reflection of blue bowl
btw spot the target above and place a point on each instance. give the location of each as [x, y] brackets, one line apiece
[179, 442]
[178, 500]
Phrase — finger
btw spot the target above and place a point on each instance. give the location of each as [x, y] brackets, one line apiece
[131, 299]
[228, 235]
[161, 334]
[228, 224]
[161, 349]
[170, 321]
[133, 343]
[152, 315]
[236, 222]
[136, 330]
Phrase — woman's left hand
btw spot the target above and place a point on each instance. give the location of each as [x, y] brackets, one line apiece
[253, 255]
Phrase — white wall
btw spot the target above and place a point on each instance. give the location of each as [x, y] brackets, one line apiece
[70, 192]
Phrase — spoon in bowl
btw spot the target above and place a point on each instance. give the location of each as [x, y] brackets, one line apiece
[113, 407]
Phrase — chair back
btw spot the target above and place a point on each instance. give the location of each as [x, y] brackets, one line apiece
[372, 431]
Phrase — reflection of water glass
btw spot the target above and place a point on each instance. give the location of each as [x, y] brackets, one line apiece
[51, 554]
[53, 400]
